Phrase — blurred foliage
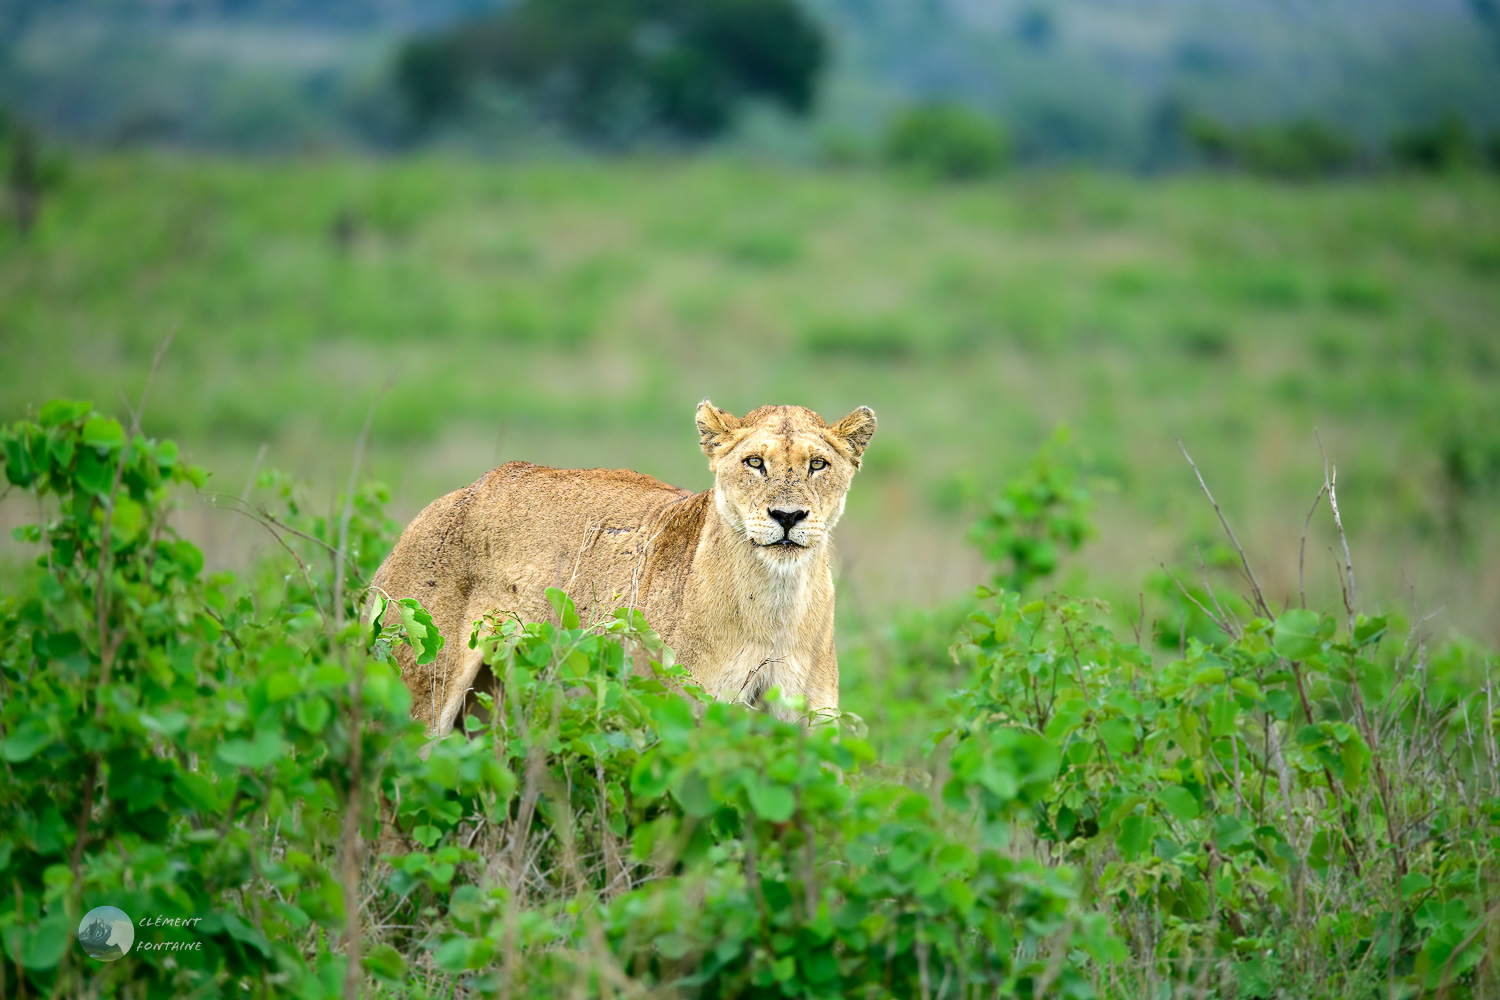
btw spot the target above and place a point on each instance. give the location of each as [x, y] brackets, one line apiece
[1444, 145]
[186, 748]
[1301, 149]
[614, 72]
[946, 141]
[31, 171]
[1077, 82]
[1235, 312]
[1299, 806]
[1038, 516]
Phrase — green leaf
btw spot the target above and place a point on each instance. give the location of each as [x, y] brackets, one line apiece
[1413, 883]
[421, 630]
[255, 754]
[1230, 833]
[695, 795]
[43, 948]
[125, 521]
[378, 605]
[62, 411]
[1118, 735]
[771, 801]
[1368, 630]
[1298, 634]
[1209, 676]
[1247, 687]
[651, 775]
[241, 931]
[1135, 836]
[561, 603]
[23, 744]
[1178, 801]
[427, 835]
[385, 962]
[167, 723]
[1355, 756]
[103, 432]
[312, 714]
[281, 686]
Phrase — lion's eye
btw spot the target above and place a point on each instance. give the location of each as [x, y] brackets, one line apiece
[818, 463]
[754, 462]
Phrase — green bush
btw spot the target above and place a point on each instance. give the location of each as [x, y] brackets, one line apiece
[1294, 806]
[1443, 146]
[1301, 149]
[948, 141]
[1040, 514]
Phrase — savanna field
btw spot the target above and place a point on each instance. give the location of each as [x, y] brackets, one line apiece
[1138, 764]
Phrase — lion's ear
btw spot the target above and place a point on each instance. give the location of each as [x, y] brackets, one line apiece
[855, 431]
[714, 427]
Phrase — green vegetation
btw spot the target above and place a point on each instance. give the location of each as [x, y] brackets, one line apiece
[575, 314]
[1082, 81]
[947, 141]
[623, 71]
[1298, 804]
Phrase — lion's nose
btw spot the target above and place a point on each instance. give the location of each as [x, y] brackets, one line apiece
[786, 518]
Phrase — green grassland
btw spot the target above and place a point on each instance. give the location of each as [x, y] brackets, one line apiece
[574, 314]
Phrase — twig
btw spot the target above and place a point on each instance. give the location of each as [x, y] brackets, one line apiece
[354, 973]
[1223, 626]
[1260, 600]
[1480, 926]
[1330, 482]
[1302, 547]
[343, 553]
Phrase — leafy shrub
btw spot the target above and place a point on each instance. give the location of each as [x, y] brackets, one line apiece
[1037, 515]
[1445, 145]
[947, 141]
[1296, 767]
[1295, 806]
[177, 751]
[683, 67]
[1300, 149]
[155, 726]
[874, 340]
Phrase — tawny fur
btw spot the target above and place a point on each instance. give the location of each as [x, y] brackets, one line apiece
[743, 614]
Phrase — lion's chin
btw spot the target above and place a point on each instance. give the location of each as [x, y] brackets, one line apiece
[782, 552]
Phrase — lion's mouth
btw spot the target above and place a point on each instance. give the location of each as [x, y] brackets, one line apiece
[772, 545]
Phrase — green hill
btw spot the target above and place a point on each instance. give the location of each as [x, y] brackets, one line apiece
[575, 314]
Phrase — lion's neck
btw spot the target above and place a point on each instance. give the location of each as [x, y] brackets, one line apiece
[770, 597]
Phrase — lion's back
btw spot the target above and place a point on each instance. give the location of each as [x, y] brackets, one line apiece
[543, 498]
[522, 528]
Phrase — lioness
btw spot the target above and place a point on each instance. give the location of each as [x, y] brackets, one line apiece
[735, 579]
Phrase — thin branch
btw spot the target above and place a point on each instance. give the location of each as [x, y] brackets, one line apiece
[1223, 626]
[1302, 547]
[343, 550]
[1260, 600]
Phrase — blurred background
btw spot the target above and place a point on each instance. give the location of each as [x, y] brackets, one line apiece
[548, 228]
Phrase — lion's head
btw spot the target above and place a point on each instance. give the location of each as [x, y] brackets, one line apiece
[780, 474]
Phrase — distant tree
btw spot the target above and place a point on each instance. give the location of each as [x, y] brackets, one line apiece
[430, 78]
[946, 140]
[1300, 149]
[607, 70]
[1167, 130]
[1213, 140]
[1446, 144]
[29, 174]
